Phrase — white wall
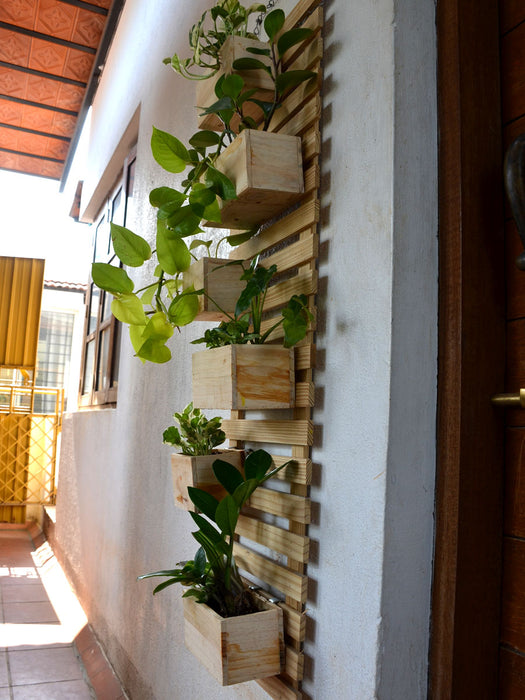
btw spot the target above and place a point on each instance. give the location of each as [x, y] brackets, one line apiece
[369, 596]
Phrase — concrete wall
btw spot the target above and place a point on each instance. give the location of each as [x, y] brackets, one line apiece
[369, 597]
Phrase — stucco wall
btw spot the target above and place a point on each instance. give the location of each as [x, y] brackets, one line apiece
[369, 596]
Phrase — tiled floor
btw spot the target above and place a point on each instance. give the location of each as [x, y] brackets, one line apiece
[43, 630]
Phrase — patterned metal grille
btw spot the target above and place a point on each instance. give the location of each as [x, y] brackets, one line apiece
[28, 448]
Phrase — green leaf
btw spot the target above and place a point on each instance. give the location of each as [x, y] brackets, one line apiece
[197, 242]
[168, 151]
[258, 51]
[158, 328]
[183, 309]
[111, 279]
[232, 85]
[257, 464]
[227, 475]
[291, 38]
[165, 195]
[200, 198]
[220, 184]
[135, 335]
[147, 296]
[206, 527]
[243, 492]
[133, 250]
[200, 560]
[205, 502]
[154, 351]
[292, 78]
[128, 309]
[205, 139]
[250, 64]
[184, 222]
[296, 319]
[226, 515]
[238, 238]
[172, 252]
[273, 23]
[225, 103]
[168, 209]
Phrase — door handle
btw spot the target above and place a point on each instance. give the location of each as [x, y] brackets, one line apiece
[509, 400]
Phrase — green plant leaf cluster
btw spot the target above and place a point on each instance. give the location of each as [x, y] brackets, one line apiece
[212, 577]
[245, 326]
[196, 434]
[207, 36]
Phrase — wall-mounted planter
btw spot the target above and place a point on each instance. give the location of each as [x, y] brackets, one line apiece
[198, 471]
[267, 171]
[238, 377]
[235, 649]
[223, 284]
[235, 47]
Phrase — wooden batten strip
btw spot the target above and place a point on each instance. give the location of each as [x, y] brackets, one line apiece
[296, 221]
[298, 472]
[294, 664]
[284, 505]
[282, 541]
[305, 356]
[304, 119]
[282, 432]
[299, 13]
[304, 394]
[295, 254]
[312, 178]
[311, 144]
[278, 689]
[293, 105]
[288, 582]
[303, 283]
[294, 622]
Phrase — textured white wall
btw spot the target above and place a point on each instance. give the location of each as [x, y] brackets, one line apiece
[368, 602]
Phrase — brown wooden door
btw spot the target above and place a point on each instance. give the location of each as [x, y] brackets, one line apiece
[512, 629]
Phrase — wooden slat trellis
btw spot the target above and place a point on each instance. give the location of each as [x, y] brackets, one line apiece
[292, 243]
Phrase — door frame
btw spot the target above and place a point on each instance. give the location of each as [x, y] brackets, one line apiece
[470, 449]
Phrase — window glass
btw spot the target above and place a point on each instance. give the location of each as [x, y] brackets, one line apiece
[93, 309]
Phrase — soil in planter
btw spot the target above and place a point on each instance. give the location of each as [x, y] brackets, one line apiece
[245, 604]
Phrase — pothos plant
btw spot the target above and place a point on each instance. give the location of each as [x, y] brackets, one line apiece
[207, 37]
[196, 434]
[212, 576]
[245, 326]
[163, 304]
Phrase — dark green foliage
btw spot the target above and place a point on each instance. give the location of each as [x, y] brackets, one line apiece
[196, 434]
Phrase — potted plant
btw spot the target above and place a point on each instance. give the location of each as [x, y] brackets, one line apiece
[240, 369]
[235, 633]
[197, 437]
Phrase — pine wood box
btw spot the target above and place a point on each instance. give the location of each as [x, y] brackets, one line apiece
[198, 471]
[235, 47]
[267, 171]
[235, 649]
[222, 284]
[237, 377]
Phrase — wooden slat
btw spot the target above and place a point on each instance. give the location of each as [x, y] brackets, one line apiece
[284, 505]
[300, 12]
[284, 432]
[511, 675]
[278, 689]
[307, 215]
[294, 622]
[294, 664]
[311, 144]
[303, 283]
[312, 178]
[304, 394]
[280, 577]
[273, 537]
[298, 472]
[305, 119]
[305, 356]
[512, 599]
[295, 254]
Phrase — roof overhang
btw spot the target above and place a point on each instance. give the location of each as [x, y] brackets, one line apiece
[51, 56]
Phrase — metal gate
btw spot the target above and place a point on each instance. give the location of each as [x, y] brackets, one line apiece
[30, 423]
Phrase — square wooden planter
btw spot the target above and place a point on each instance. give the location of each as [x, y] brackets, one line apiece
[235, 47]
[223, 284]
[198, 471]
[235, 649]
[267, 171]
[238, 377]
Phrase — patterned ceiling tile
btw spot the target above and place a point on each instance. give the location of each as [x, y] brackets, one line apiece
[102, 3]
[56, 18]
[63, 124]
[89, 28]
[70, 96]
[35, 118]
[32, 166]
[47, 57]
[14, 48]
[56, 149]
[43, 91]
[19, 12]
[13, 82]
[9, 138]
[10, 112]
[78, 65]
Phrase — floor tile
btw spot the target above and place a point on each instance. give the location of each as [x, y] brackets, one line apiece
[43, 666]
[4, 694]
[4, 677]
[25, 593]
[64, 690]
[20, 613]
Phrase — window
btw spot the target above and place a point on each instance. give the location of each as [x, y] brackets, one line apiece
[100, 363]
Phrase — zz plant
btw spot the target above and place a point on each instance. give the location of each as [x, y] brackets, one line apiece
[212, 576]
[196, 434]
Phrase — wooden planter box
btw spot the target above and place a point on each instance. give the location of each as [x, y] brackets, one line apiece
[235, 649]
[224, 285]
[238, 377]
[267, 171]
[198, 471]
[234, 48]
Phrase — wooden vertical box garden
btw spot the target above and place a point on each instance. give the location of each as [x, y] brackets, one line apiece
[236, 649]
[238, 377]
[222, 284]
[187, 470]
